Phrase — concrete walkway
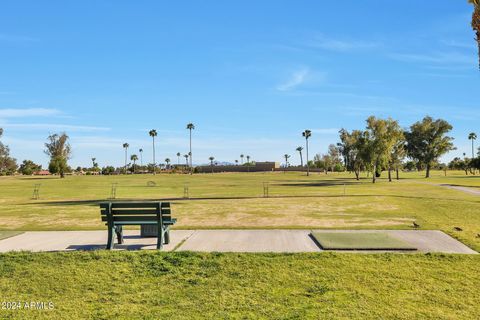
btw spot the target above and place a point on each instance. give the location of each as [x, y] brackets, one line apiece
[460, 188]
[217, 241]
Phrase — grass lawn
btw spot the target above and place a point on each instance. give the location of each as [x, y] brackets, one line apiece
[153, 285]
[235, 200]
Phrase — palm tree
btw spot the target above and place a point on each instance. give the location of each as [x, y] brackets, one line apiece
[167, 161]
[286, 156]
[141, 156]
[472, 136]
[307, 134]
[186, 159]
[300, 149]
[211, 162]
[153, 133]
[236, 162]
[134, 158]
[125, 146]
[476, 23]
[93, 162]
[178, 158]
[191, 127]
[241, 159]
[248, 160]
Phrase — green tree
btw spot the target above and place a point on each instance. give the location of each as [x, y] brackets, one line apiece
[141, 157]
[299, 150]
[167, 161]
[211, 162]
[153, 133]
[426, 141]
[178, 158]
[382, 136]
[28, 167]
[186, 159]
[472, 136]
[476, 23]
[125, 146]
[59, 151]
[241, 159]
[191, 127]
[286, 156]
[8, 165]
[134, 158]
[307, 134]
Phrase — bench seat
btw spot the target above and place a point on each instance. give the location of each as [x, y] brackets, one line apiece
[119, 214]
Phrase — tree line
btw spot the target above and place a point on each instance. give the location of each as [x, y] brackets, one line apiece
[383, 145]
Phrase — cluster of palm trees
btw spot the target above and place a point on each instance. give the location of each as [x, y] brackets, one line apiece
[153, 134]
[305, 134]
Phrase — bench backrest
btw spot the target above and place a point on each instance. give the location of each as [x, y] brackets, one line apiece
[135, 211]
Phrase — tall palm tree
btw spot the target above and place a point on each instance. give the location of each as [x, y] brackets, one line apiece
[186, 159]
[248, 160]
[476, 23]
[125, 146]
[286, 156]
[300, 149]
[141, 156]
[211, 162]
[241, 159]
[307, 134]
[93, 162]
[191, 127]
[153, 133]
[134, 158]
[167, 161]
[472, 136]
[178, 158]
[236, 162]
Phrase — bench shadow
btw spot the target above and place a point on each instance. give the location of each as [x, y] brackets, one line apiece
[94, 247]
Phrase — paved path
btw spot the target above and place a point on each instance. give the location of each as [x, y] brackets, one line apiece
[218, 241]
[460, 188]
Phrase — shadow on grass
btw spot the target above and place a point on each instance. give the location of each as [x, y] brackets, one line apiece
[178, 200]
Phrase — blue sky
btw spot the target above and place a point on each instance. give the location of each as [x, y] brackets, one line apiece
[251, 75]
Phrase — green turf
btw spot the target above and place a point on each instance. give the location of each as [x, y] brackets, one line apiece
[359, 241]
[235, 200]
[153, 285]
[9, 234]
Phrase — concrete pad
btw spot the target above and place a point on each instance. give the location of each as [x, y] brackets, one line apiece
[424, 240]
[463, 189]
[250, 241]
[85, 240]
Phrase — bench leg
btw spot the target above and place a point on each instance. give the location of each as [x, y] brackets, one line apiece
[111, 234]
[160, 238]
[119, 232]
[167, 236]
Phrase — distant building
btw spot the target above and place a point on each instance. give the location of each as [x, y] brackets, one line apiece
[252, 167]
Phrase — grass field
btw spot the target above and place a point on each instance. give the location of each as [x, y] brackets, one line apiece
[236, 201]
[151, 285]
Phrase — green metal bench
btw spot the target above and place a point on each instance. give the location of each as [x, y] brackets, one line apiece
[119, 214]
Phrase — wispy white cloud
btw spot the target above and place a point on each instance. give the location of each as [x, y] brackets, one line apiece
[52, 127]
[329, 131]
[437, 58]
[457, 44]
[28, 112]
[296, 79]
[341, 45]
[16, 38]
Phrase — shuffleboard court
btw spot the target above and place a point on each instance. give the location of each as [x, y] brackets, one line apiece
[360, 241]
